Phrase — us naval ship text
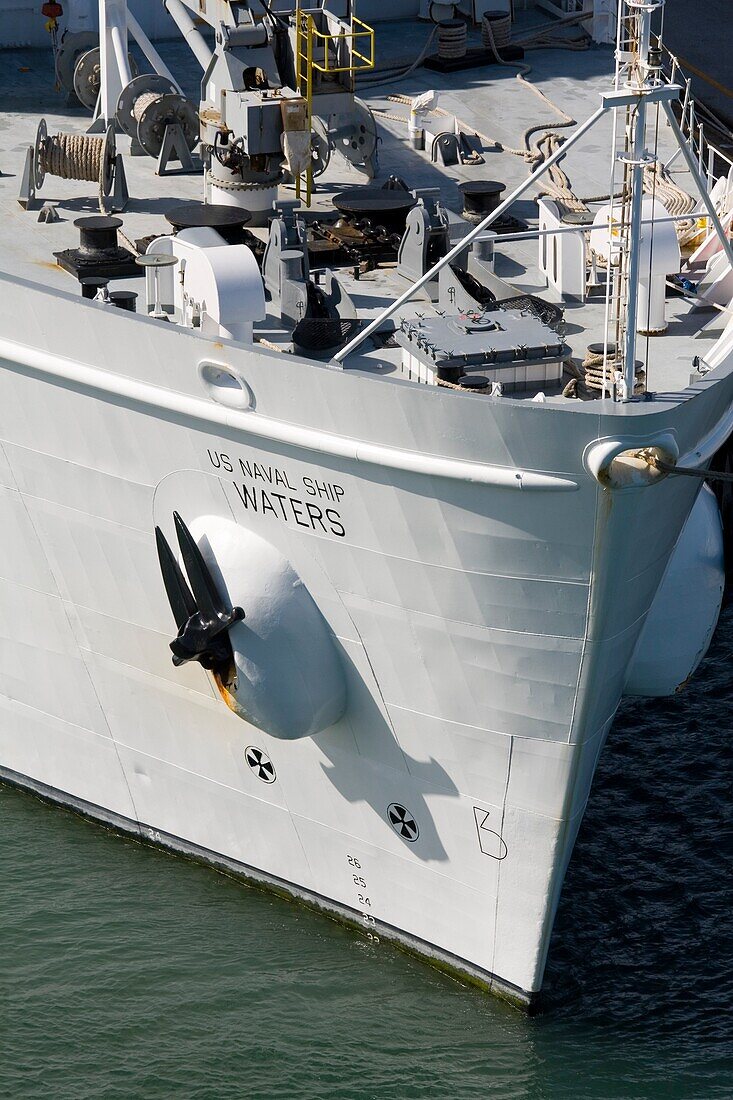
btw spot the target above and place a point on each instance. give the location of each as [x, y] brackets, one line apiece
[269, 490]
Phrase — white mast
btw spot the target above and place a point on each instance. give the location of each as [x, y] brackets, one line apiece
[635, 73]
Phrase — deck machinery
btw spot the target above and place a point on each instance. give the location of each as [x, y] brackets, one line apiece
[278, 95]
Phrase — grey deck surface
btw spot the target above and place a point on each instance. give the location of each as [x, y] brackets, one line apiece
[488, 99]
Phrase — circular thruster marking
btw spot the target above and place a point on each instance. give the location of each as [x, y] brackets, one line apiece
[260, 764]
[403, 822]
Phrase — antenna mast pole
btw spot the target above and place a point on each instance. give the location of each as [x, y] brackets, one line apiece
[633, 62]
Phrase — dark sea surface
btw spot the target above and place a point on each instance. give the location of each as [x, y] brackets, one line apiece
[130, 973]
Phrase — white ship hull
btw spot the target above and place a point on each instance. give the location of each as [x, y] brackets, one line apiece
[486, 630]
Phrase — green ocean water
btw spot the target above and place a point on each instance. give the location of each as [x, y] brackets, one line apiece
[129, 973]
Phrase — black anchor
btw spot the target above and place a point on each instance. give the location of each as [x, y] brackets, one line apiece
[202, 617]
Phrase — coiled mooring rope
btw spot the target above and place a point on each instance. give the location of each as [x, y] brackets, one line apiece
[496, 30]
[74, 157]
[591, 375]
[143, 102]
[452, 38]
[78, 157]
[594, 372]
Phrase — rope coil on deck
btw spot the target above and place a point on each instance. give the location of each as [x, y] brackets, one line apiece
[496, 30]
[586, 380]
[143, 102]
[77, 157]
[593, 369]
[452, 39]
[74, 157]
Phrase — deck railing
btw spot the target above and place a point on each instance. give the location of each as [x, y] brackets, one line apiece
[696, 121]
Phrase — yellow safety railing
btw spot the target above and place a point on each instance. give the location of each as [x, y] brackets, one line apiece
[322, 52]
[361, 35]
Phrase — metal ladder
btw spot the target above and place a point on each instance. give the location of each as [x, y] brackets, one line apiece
[620, 217]
[318, 52]
[305, 28]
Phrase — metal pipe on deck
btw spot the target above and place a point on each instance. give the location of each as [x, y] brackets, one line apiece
[196, 41]
[149, 50]
[535, 234]
[113, 56]
[119, 44]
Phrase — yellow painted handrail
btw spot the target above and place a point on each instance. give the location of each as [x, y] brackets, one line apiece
[359, 61]
[310, 44]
